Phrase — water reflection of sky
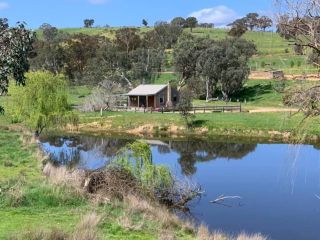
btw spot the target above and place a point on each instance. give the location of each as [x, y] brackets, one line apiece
[278, 183]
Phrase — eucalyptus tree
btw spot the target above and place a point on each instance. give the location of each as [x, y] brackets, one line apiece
[264, 22]
[127, 39]
[88, 23]
[15, 51]
[178, 21]
[191, 22]
[238, 28]
[252, 20]
[224, 66]
[49, 32]
[185, 56]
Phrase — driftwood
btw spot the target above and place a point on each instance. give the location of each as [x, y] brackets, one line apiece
[222, 198]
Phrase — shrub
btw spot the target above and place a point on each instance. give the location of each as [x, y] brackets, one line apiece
[292, 64]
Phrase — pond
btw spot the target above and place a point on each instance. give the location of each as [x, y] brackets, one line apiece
[279, 184]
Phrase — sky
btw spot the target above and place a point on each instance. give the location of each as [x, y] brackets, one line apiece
[71, 13]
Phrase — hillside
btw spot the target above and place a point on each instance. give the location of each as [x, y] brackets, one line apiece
[274, 52]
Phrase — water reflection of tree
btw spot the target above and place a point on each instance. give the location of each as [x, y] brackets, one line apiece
[192, 152]
[67, 149]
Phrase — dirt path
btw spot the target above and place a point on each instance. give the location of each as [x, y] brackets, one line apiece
[262, 75]
[268, 110]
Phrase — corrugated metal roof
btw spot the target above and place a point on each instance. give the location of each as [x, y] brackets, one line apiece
[146, 90]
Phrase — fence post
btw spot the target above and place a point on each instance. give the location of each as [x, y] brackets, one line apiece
[162, 110]
[240, 107]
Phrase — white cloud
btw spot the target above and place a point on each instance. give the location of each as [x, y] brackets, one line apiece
[97, 2]
[4, 5]
[220, 15]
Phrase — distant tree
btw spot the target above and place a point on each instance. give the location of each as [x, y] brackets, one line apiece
[128, 39]
[225, 66]
[206, 25]
[191, 22]
[4, 23]
[16, 46]
[298, 49]
[314, 59]
[145, 22]
[50, 56]
[264, 22]
[238, 28]
[163, 36]
[252, 20]
[78, 51]
[178, 21]
[49, 32]
[145, 63]
[185, 55]
[185, 107]
[88, 23]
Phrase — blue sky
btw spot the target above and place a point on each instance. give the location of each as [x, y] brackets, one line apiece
[70, 13]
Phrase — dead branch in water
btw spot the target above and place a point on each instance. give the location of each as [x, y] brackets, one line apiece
[222, 198]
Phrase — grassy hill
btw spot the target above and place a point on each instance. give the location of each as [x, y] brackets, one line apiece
[274, 52]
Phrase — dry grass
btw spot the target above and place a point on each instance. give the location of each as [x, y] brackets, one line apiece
[63, 177]
[244, 236]
[87, 228]
[204, 234]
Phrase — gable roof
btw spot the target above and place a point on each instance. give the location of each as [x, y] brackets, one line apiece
[146, 90]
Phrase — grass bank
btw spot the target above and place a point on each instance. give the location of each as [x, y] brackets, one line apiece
[277, 126]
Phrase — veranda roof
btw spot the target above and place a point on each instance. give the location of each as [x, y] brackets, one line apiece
[146, 90]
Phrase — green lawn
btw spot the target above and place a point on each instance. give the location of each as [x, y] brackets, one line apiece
[76, 94]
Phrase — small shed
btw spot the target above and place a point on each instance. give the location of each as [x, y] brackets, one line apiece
[152, 96]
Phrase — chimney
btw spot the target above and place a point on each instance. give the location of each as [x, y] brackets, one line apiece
[169, 96]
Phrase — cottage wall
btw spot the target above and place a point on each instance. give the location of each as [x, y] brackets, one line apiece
[157, 101]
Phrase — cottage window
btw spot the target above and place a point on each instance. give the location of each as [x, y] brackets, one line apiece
[161, 99]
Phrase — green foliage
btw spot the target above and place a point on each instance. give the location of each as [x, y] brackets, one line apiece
[42, 103]
[292, 64]
[16, 46]
[185, 107]
[137, 159]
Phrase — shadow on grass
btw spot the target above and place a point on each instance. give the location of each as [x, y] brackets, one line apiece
[199, 123]
[254, 92]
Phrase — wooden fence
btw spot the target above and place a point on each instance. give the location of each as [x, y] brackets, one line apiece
[195, 109]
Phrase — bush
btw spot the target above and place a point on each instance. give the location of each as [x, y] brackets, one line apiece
[292, 64]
